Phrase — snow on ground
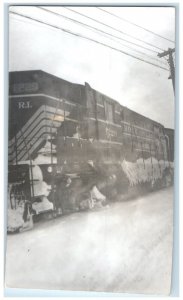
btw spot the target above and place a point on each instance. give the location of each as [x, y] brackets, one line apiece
[126, 247]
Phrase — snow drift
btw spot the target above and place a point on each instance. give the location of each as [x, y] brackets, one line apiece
[144, 170]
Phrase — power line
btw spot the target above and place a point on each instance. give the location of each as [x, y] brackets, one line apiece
[100, 30]
[113, 28]
[104, 32]
[133, 49]
[87, 38]
[125, 20]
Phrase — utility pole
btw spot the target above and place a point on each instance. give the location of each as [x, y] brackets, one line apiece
[171, 64]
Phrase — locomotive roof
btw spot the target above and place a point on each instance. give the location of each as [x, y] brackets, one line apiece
[38, 81]
[17, 76]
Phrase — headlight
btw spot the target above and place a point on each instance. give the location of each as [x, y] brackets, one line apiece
[50, 169]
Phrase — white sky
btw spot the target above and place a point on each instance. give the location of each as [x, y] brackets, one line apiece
[135, 84]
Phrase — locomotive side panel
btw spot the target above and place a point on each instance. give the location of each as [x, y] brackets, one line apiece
[147, 136]
[112, 123]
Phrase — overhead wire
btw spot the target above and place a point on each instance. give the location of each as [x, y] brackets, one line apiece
[87, 38]
[141, 27]
[112, 37]
[113, 28]
[105, 32]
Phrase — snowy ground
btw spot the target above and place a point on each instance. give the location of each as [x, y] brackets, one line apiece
[126, 247]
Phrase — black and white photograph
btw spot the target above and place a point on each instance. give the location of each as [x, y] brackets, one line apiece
[91, 148]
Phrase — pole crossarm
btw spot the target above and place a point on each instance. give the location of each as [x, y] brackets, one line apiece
[165, 53]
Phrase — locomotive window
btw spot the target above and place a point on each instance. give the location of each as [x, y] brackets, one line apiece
[109, 112]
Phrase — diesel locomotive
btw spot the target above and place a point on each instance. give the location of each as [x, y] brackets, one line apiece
[70, 145]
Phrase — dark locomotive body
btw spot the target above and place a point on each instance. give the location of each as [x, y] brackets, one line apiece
[75, 134]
